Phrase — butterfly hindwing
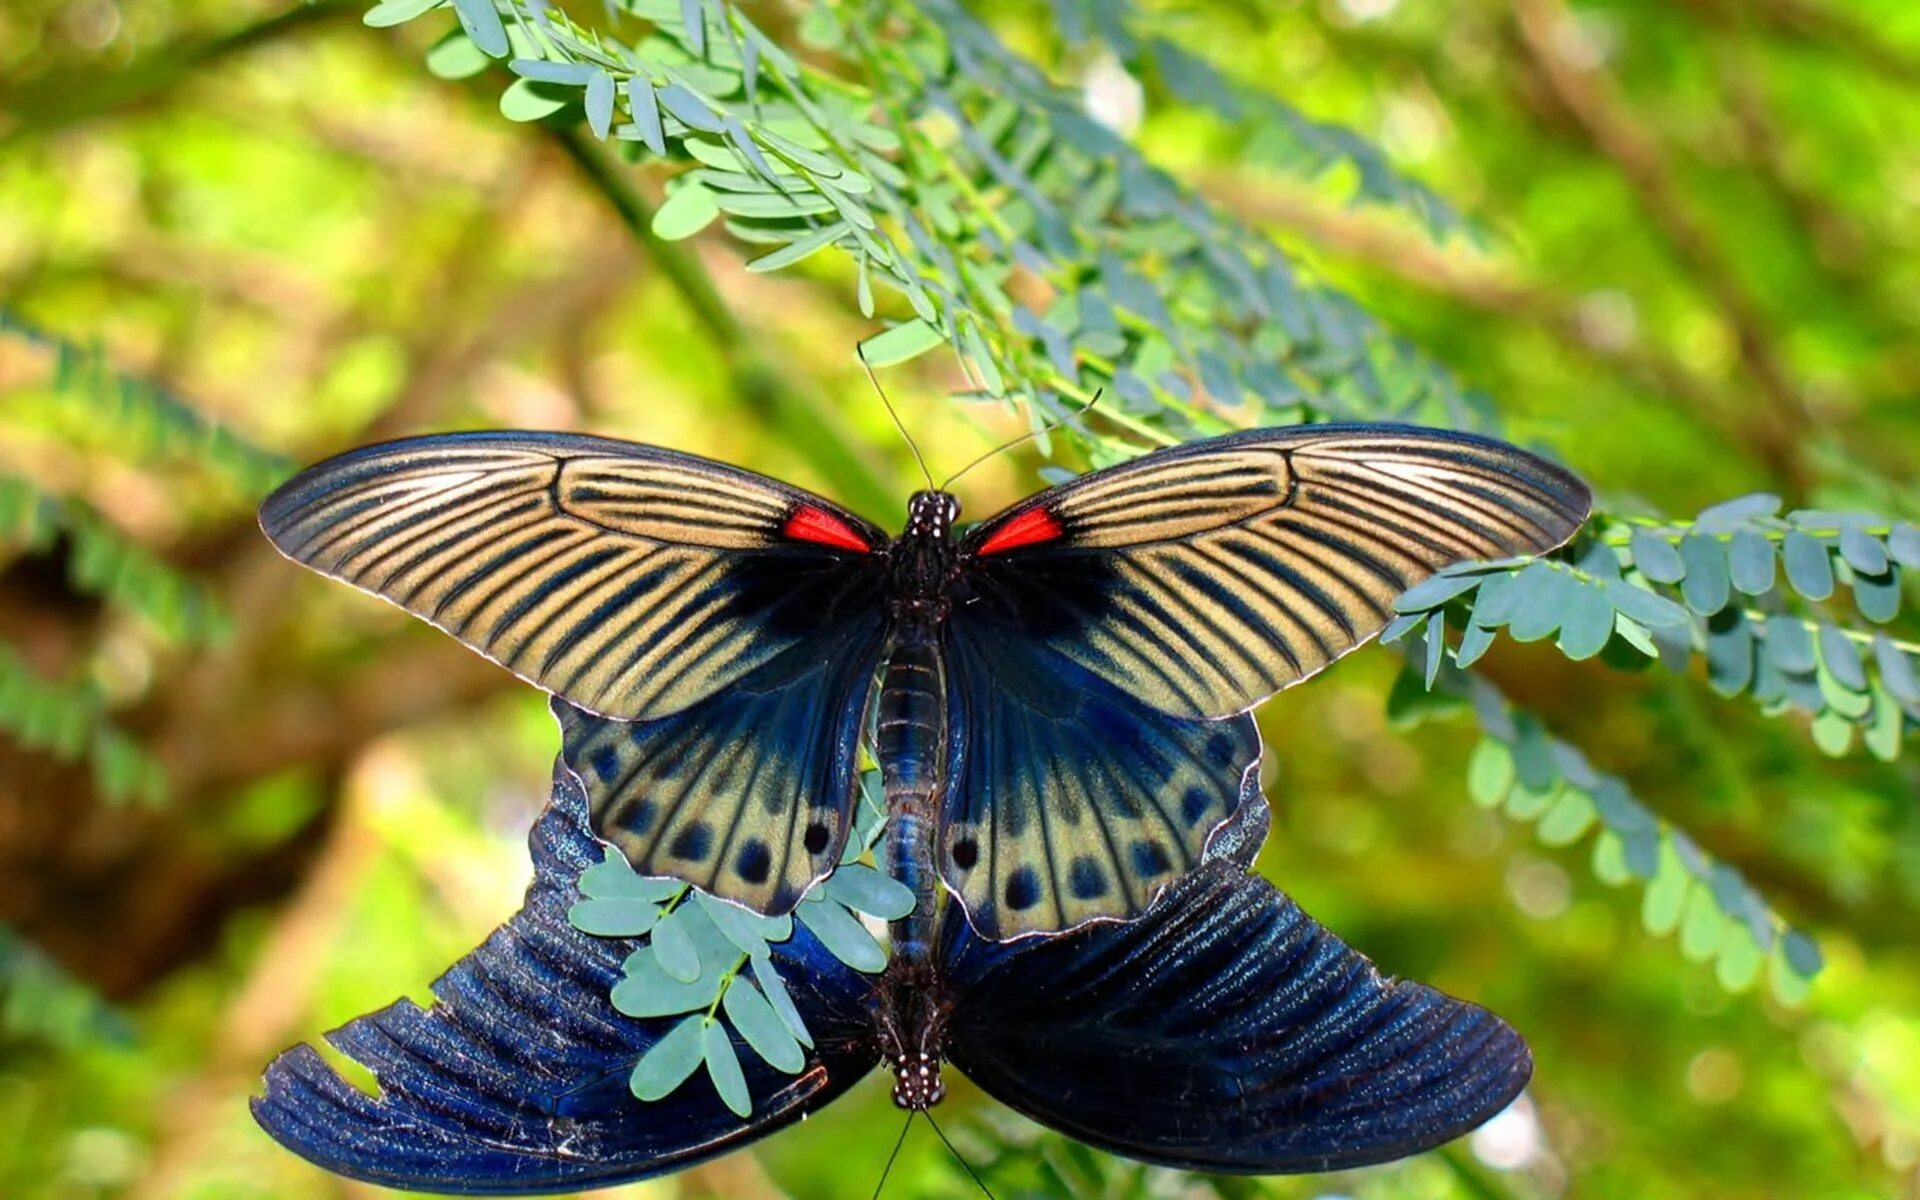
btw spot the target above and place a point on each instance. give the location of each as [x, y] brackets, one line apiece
[1224, 1031]
[515, 1080]
[631, 581]
[1206, 577]
[1067, 799]
[749, 794]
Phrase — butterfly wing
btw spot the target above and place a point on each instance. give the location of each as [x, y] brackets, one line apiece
[1067, 799]
[748, 794]
[1206, 577]
[1224, 1031]
[515, 1080]
[632, 581]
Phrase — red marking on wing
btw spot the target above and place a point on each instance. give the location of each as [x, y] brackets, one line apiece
[1032, 526]
[811, 524]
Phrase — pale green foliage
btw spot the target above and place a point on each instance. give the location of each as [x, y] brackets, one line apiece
[712, 960]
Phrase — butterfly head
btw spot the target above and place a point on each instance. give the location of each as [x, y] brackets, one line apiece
[916, 1081]
[931, 514]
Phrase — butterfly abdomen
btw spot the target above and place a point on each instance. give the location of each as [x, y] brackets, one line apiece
[911, 744]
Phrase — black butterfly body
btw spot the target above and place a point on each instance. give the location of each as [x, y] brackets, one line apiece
[1222, 1030]
[1062, 690]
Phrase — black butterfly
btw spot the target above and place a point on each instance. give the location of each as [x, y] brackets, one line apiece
[1062, 689]
[1224, 1030]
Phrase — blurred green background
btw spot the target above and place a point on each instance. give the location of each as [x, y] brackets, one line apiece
[239, 805]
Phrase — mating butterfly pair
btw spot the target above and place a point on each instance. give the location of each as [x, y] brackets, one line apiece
[1061, 710]
[1223, 1030]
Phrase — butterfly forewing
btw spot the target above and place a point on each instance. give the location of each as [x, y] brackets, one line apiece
[1205, 578]
[631, 581]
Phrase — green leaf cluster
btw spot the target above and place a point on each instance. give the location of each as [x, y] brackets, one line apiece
[712, 961]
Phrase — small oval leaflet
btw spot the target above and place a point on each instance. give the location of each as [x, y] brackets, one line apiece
[1540, 591]
[775, 990]
[455, 57]
[666, 1065]
[1641, 849]
[673, 946]
[599, 104]
[1737, 510]
[621, 917]
[762, 1028]
[866, 890]
[389, 13]
[1751, 562]
[1706, 587]
[1665, 896]
[1730, 655]
[1588, 622]
[647, 991]
[1435, 638]
[723, 1067]
[1903, 543]
[747, 930]
[686, 211]
[1740, 961]
[1877, 596]
[482, 22]
[1475, 640]
[1808, 568]
[1434, 591]
[1648, 608]
[910, 339]
[1656, 557]
[1842, 658]
[527, 100]
[645, 107]
[1896, 670]
[1702, 927]
[1789, 644]
[1569, 818]
[614, 879]
[843, 936]
[1864, 552]
[1490, 772]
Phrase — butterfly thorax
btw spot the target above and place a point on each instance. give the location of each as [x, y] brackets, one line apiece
[922, 558]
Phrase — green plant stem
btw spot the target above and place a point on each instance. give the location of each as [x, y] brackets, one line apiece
[800, 416]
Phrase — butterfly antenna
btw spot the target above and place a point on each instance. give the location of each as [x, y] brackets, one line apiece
[1028, 436]
[965, 1165]
[897, 422]
[898, 1142]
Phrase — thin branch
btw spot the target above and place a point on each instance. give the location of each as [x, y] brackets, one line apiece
[1818, 27]
[1592, 100]
[56, 102]
[801, 416]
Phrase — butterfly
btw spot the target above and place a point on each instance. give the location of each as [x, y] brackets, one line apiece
[1223, 1030]
[1062, 690]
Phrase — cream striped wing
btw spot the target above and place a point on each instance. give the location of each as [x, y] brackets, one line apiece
[631, 581]
[1207, 577]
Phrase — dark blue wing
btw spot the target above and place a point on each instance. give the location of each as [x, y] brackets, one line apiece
[748, 794]
[1226, 1031]
[515, 1081]
[1068, 800]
